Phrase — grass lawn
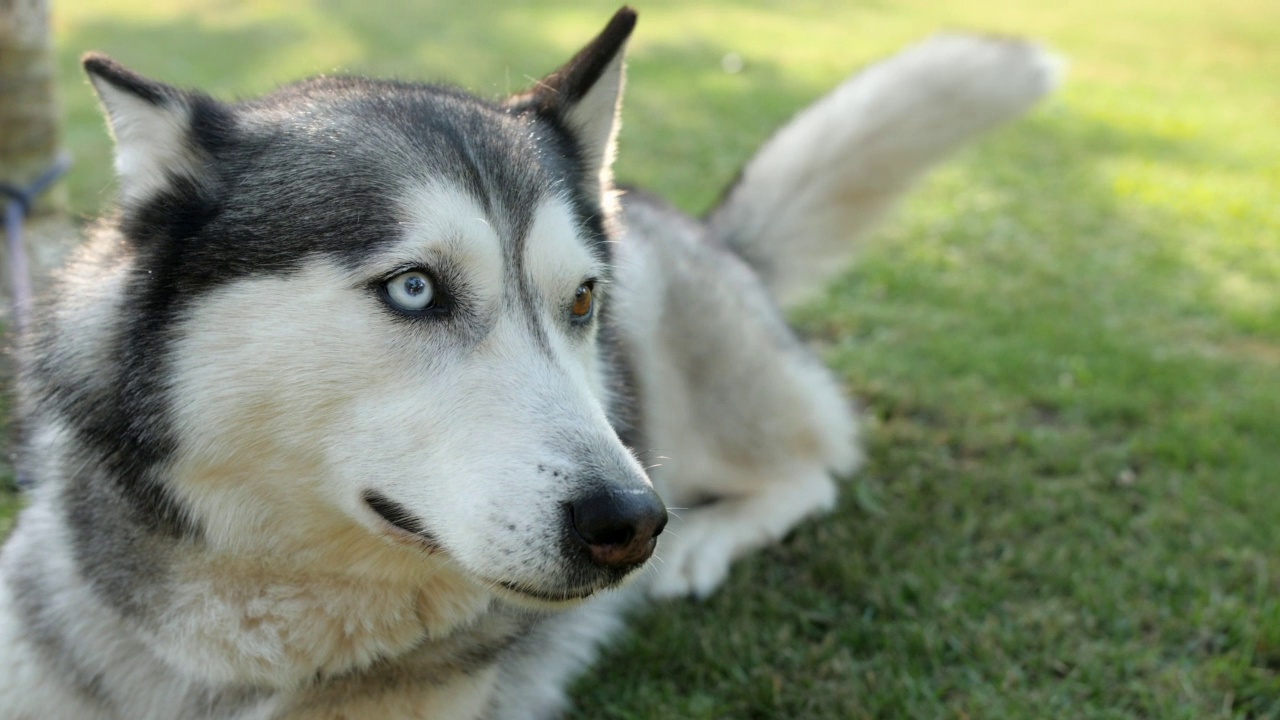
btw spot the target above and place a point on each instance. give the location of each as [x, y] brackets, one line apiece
[1067, 344]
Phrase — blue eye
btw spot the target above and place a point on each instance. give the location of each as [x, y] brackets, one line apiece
[411, 291]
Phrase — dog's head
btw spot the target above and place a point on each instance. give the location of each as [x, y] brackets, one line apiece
[358, 307]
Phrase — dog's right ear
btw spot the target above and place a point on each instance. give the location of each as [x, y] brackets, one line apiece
[154, 126]
[584, 96]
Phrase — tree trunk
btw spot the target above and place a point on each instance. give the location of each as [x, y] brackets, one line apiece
[28, 105]
[29, 118]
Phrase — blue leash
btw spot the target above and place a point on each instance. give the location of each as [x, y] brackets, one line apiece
[16, 210]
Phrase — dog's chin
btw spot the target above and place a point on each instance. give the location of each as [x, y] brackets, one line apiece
[526, 596]
[530, 596]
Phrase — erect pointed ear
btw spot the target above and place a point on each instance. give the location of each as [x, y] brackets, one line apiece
[585, 95]
[152, 124]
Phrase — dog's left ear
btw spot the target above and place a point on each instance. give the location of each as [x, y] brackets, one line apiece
[163, 134]
[584, 96]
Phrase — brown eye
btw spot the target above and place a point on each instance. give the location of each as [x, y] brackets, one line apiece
[582, 304]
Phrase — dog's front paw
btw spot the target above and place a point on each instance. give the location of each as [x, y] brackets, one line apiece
[695, 552]
[693, 557]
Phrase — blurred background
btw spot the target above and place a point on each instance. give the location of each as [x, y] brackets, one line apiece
[1066, 344]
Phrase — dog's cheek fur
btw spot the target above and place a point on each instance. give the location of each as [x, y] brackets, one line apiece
[263, 372]
[251, 467]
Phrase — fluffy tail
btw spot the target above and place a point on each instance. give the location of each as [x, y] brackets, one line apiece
[829, 175]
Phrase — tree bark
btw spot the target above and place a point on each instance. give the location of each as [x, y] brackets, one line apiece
[29, 138]
[28, 103]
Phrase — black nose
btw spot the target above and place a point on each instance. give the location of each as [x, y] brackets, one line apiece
[619, 527]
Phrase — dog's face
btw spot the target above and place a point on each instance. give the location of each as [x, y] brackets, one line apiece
[378, 309]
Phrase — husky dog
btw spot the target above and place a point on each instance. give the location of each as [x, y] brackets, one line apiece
[342, 412]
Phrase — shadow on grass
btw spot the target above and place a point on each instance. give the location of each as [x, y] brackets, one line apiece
[685, 130]
[676, 136]
[187, 51]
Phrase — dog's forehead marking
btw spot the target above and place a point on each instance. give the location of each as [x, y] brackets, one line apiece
[551, 260]
[440, 219]
[547, 258]
[556, 255]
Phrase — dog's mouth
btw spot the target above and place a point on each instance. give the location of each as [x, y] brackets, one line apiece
[562, 597]
[526, 593]
[404, 524]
